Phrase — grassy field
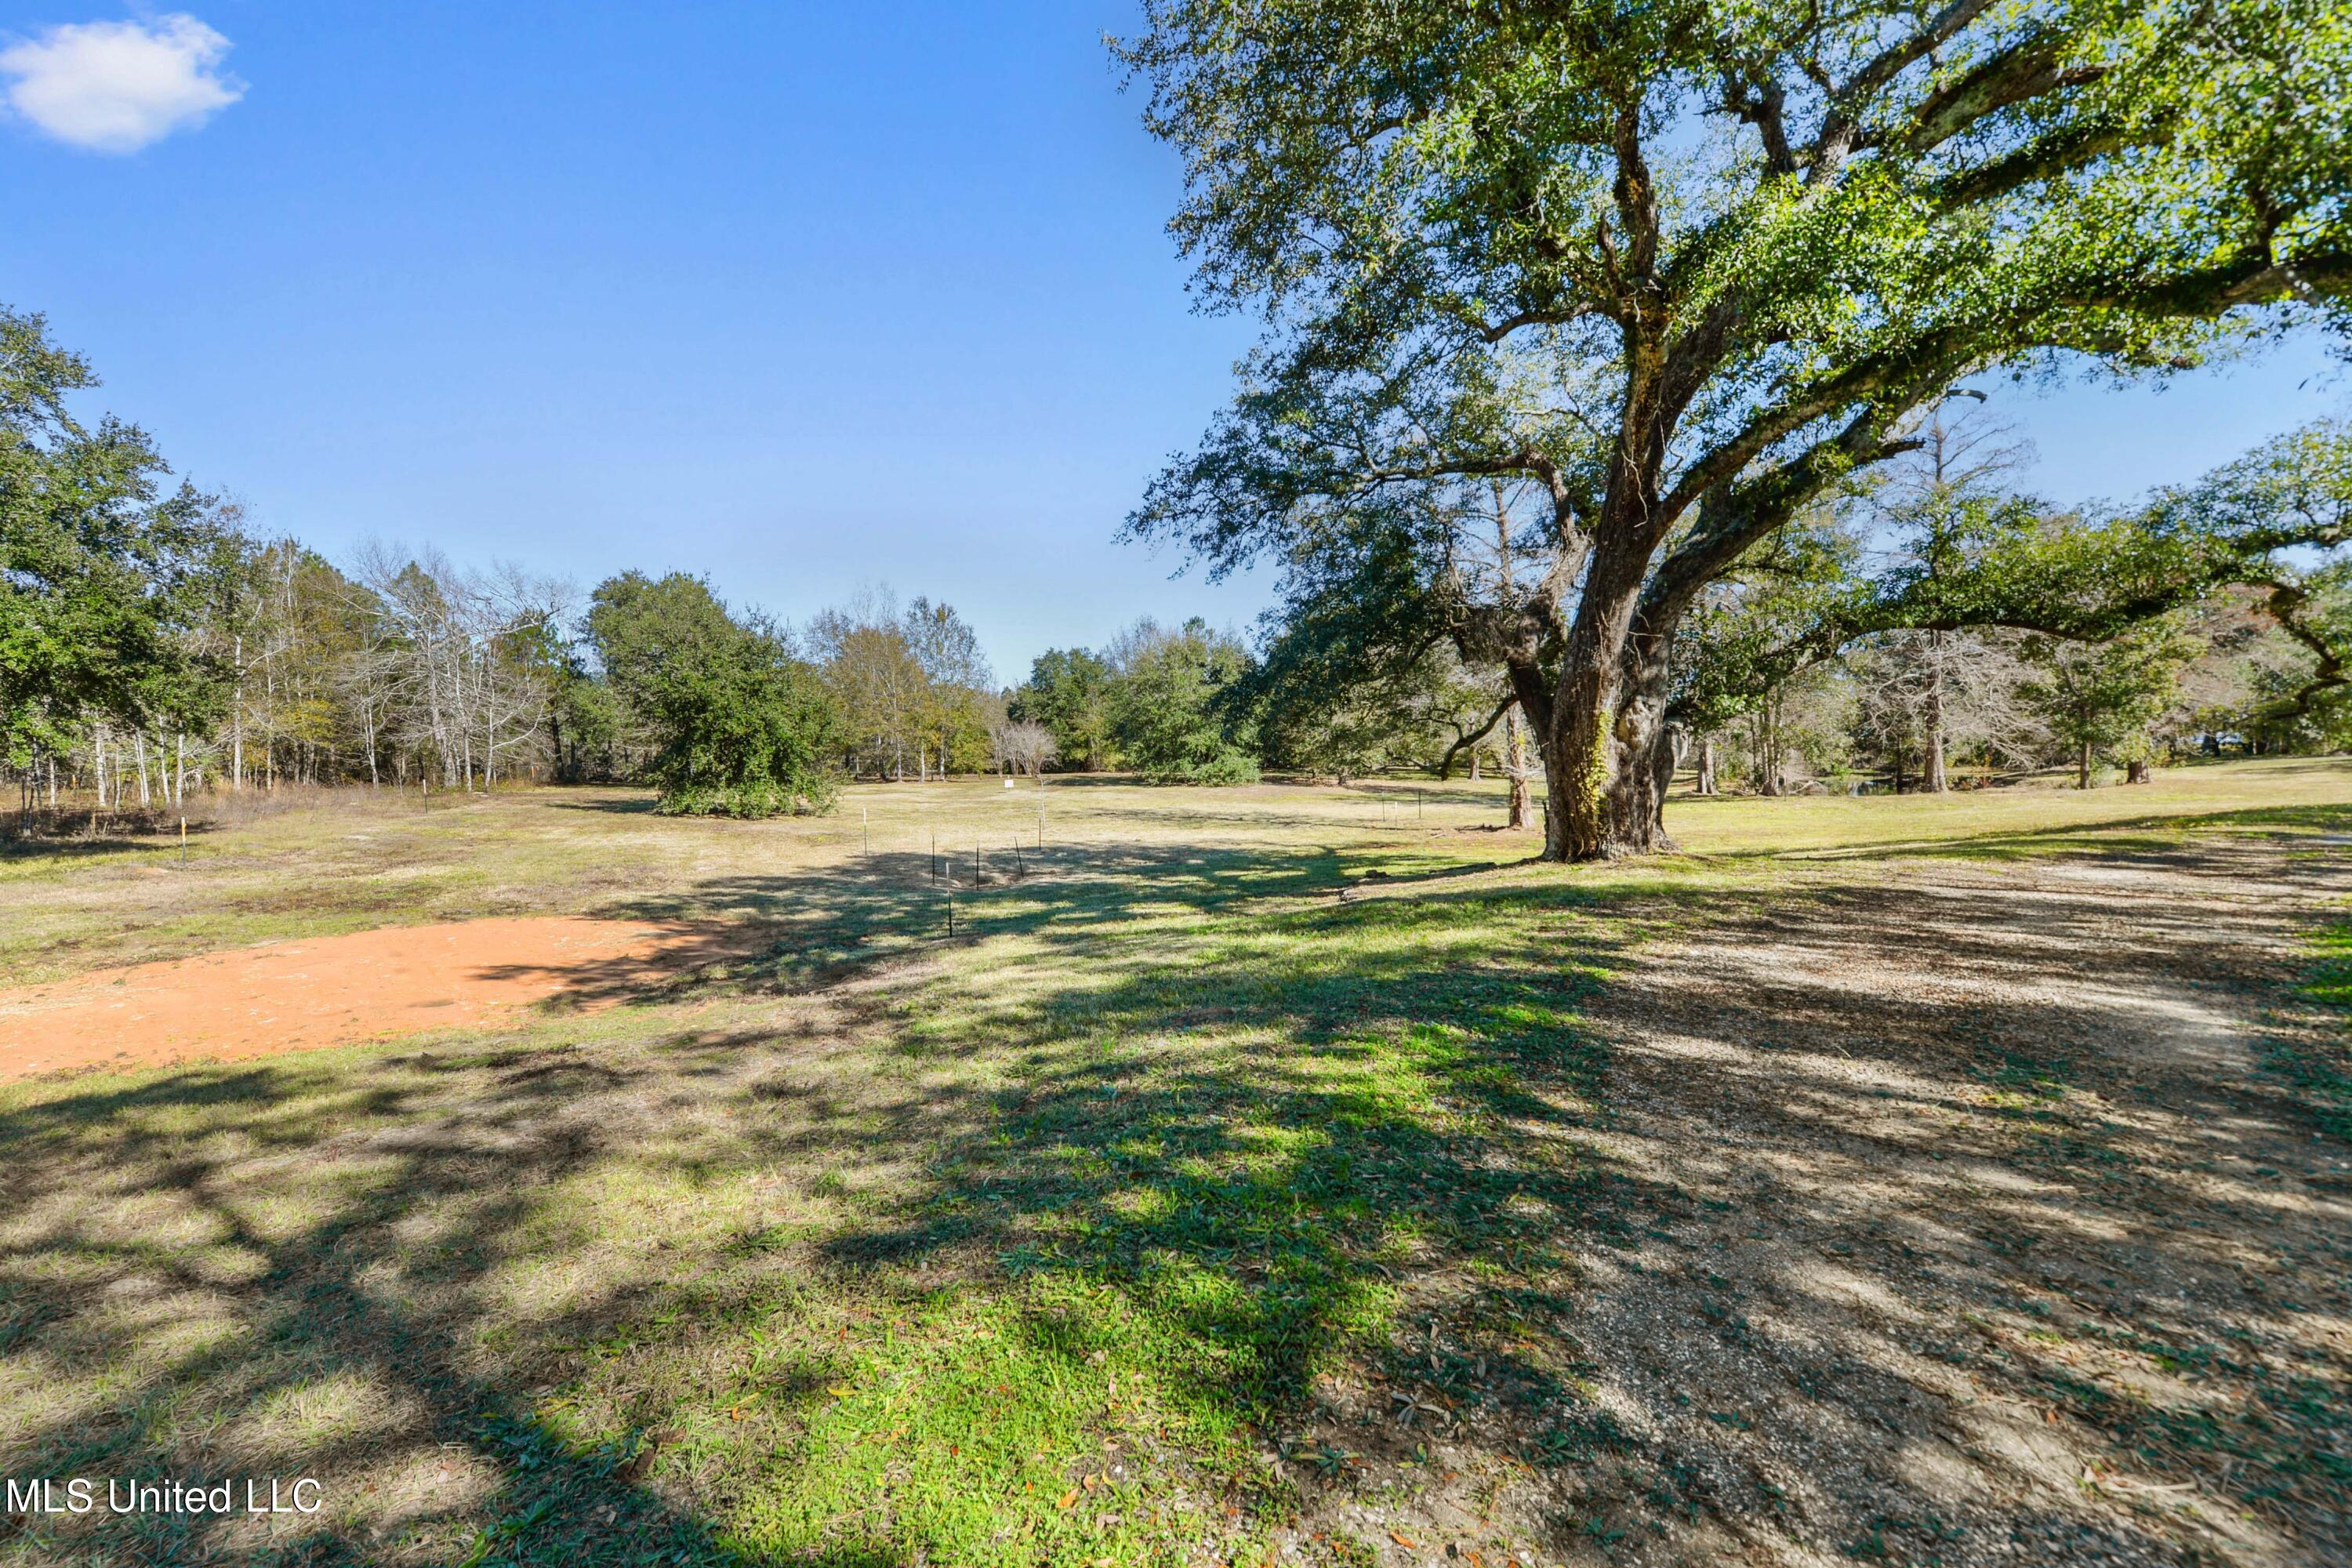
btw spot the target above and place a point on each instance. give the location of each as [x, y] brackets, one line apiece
[1236, 1184]
[365, 859]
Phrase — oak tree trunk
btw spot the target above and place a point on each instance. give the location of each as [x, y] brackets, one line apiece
[1648, 751]
[1596, 778]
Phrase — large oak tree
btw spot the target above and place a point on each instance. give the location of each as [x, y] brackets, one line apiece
[1680, 267]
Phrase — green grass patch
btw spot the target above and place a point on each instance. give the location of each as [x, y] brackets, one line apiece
[2320, 1067]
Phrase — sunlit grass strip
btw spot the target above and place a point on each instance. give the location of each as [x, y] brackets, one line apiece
[2322, 1069]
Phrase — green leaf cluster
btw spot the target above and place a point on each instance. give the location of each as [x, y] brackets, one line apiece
[740, 723]
[1179, 718]
[103, 566]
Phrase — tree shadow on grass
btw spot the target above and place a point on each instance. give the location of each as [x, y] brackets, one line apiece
[1988, 1157]
[189, 1260]
[608, 800]
[809, 928]
[1350, 1179]
[77, 850]
[1384, 1200]
[1257, 1163]
[2156, 833]
[180, 1260]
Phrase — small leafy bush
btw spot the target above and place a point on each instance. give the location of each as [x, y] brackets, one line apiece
[1229, 766]
[813, 796]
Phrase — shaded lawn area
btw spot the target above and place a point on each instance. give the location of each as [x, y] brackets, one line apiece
[1088, 1199]
[1178, 1210]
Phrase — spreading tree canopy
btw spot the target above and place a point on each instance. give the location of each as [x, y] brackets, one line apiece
[1675, 270]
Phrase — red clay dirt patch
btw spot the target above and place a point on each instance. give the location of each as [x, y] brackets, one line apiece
[329, 991]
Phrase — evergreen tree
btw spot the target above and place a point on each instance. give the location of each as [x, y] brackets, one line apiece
[1179, 716]
[741, 725]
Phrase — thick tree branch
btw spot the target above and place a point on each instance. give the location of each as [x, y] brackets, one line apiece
[2286, 602]
[1445, 764]
[1840, 126]
[2061, 151]
[2030, 70]
[2253, 277]
[2250, 278]
[1637, 200]
[1496, 331]
[1762, 104]
[1745, 513]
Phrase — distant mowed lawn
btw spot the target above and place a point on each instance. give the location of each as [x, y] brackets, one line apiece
[1049, 1241]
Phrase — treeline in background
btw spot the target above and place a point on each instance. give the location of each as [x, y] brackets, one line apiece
[153, 647]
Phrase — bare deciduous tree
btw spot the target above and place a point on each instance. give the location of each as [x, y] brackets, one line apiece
[471, 660]
[1024, 746]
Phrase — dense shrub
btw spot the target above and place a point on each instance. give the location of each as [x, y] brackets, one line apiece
[1228, 766]
[749, 801]
[742, 725]
[1177, 718]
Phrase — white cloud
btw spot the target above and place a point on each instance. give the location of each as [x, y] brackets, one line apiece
[114, 86]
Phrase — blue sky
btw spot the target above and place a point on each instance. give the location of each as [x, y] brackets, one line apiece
[800, 296]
